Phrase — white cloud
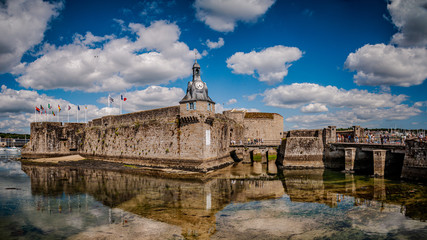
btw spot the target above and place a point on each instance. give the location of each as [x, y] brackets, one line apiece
[24, 101]
[95, 64]
[269, 65]
[231, 101]
[410, 16]
[314, 108]
[360, 115]
[22, 26]
[223, 15]
[204, 53]
[298, 94]
[18, 110]
[252, 97]
[420, 104]
[149, 98]
[217, 44]
[219, 108]
[16, 123]
[388, 65]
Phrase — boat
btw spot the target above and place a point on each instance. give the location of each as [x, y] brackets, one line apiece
[13, 150]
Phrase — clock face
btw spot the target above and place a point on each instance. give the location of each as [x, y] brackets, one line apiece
[199, 85]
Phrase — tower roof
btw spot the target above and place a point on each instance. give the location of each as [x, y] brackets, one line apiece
[196, 64]
[197, 90]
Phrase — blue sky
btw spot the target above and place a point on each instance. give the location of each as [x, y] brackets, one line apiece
[317, 63]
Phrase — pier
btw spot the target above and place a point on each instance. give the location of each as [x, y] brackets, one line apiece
[318, 148]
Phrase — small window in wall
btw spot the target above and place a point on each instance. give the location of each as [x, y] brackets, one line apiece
[193, 106]
[209, 107]
[188, 107]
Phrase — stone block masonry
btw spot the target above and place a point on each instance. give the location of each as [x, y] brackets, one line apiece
[350, 156]
[379, 162]
[415, 161]
[302, 149]
[257, 125]
[50, 139]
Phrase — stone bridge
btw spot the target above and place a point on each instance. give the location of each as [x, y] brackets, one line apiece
[373, 158]
[254, 152]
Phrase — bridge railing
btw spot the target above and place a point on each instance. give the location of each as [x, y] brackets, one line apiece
[377, 140]
[11, 142]
[256, 143]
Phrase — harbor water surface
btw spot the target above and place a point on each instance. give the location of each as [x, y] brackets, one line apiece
[239, 202]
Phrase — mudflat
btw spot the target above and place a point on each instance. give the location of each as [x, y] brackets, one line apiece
[70, 158]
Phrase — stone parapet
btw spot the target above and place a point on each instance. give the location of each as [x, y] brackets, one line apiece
[301, 152]
[415, 161]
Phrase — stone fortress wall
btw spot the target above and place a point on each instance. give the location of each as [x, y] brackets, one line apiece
[155, 138]
[49, 139]
[415, 161]
[305, 148]
[257, 125]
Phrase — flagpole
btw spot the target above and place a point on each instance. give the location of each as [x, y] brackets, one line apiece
[35, 115]
[121, 102]
[77, 113]
[108, 100]
[85, 114]
[68, 113]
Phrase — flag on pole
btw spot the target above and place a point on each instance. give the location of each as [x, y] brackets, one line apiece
[37, 109]
[68, 113]
[59, 108]
[41, 107]
[78, 107]
[110, 99]
[48, 105]
[85, 113]
[53, 113]
[123, 98]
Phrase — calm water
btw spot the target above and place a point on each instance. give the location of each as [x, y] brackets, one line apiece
[239, 202]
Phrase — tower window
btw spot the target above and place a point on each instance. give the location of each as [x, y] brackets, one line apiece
[209, 107]
[193, 106]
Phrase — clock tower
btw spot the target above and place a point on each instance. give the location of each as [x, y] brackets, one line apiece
[197, 99]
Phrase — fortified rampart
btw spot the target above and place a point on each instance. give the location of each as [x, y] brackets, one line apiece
[317, 148]
[154, 138]
[50, 139]
[415, 162]
[305, 148]
[257, 125]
